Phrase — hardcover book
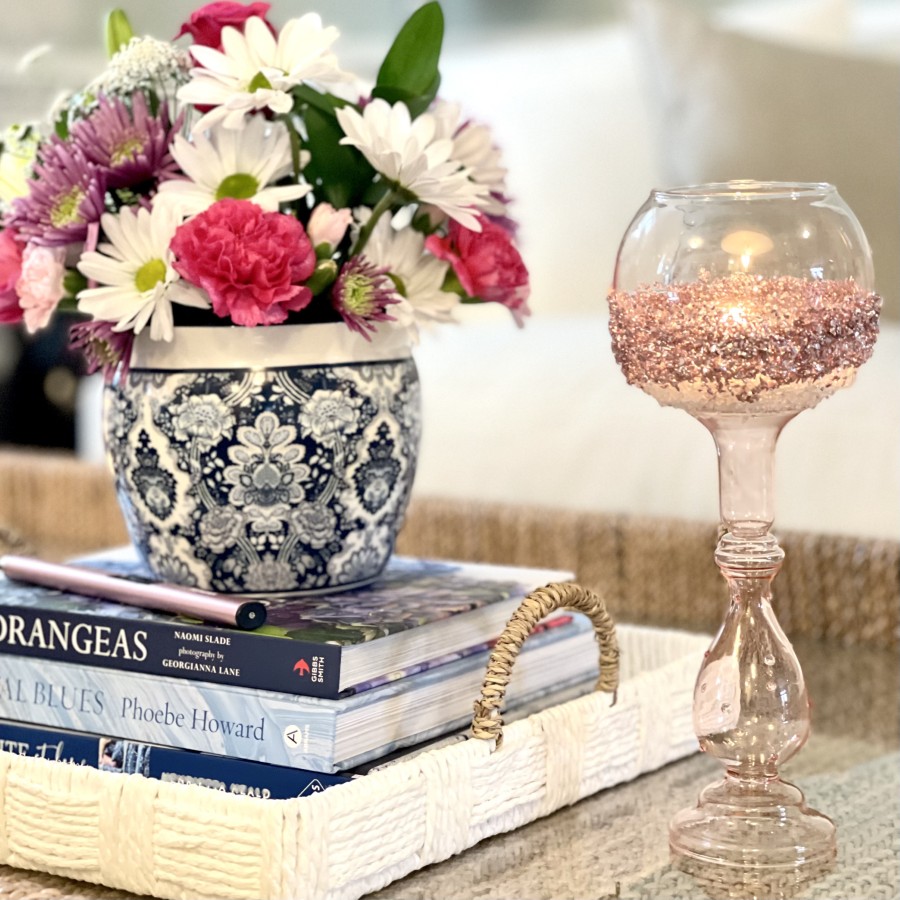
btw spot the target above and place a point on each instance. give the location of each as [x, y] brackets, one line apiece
[285, 729]
[325, 645]
[111, 754]
[223, 773]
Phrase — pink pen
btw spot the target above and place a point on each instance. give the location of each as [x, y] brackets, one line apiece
[210, 607]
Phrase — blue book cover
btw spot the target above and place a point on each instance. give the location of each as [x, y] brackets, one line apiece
[279, 728]
[323, 645]
[111, 754]
[223, 773]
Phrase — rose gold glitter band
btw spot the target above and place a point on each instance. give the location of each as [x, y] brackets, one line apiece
[743, 343]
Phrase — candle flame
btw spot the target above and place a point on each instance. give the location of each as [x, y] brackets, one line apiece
[746, 245]
[735, 315]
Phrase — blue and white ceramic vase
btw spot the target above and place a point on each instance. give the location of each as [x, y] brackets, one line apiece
[265, 460]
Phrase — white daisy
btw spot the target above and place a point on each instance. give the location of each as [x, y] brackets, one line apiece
[473, 146]
[412, 155]
[136, 269]
[255, 71]
[421, 275]
[239, 164]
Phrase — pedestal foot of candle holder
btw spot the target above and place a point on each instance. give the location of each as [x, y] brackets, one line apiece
[750, 824]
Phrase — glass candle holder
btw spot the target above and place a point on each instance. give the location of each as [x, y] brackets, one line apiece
[744, 303]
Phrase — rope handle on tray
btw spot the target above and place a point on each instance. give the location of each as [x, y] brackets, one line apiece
[487, 723]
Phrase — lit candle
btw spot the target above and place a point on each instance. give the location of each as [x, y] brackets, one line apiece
[746, 245]
[743, 343]
[735, 315]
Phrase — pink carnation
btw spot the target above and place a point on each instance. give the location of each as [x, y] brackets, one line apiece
[486, 263]
[205, 24]
[10, 270]
[251, 263]
[40, 286]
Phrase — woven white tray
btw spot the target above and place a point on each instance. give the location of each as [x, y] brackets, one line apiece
[183, 841]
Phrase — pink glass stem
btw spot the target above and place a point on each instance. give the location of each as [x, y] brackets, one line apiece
[746, 448]
[751, 707]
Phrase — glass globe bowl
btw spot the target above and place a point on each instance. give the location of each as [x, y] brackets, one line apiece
[744, 303]
[743, 297]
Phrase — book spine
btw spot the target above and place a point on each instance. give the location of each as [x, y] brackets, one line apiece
[247, 724]
[117, 755]
[177, 649]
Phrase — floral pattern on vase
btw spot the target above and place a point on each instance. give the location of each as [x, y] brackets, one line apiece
[275, 480]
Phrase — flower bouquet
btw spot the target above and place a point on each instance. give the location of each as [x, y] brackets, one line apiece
[248, 176]
[237, 176]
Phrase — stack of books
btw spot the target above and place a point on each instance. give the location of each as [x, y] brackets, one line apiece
[329, 688]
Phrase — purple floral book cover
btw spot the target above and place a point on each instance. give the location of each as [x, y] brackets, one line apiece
[409, 593]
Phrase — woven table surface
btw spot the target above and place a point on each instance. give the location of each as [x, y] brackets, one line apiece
[837, 597]
[616, 840]
[651, 571]
[619, 838]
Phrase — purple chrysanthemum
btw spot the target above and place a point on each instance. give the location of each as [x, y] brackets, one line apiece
[362, 294]
[64, 198]
[130, 145]
[103, 348]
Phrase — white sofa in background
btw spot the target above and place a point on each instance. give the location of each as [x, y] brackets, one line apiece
[544, 416]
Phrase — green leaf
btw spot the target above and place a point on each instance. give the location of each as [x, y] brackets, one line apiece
[325, 103]
[324, 276]
[409, 72]
[74, 282]
[340, 174]
[118, 31]
[417, 103]
[453, 285]
[62, 126]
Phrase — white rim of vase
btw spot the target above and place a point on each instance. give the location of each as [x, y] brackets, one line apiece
[273, 346]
